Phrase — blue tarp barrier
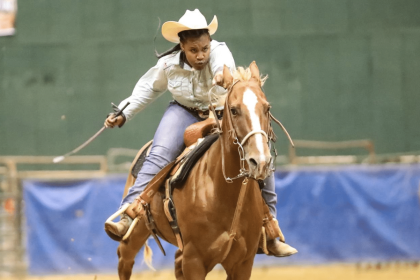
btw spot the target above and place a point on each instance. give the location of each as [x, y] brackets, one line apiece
[335, 214]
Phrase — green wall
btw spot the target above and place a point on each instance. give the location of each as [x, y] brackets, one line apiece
[339, 69]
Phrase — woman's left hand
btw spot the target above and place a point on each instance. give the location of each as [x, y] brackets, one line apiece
[112, 121]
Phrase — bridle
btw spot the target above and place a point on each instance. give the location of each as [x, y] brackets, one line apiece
[243, 173]
[269, 136]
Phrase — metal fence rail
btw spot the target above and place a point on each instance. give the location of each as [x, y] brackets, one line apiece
[368, 145]
[13, 169]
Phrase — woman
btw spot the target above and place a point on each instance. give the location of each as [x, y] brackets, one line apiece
[188, 71]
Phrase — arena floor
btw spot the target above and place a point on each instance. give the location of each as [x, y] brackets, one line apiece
[391, 271]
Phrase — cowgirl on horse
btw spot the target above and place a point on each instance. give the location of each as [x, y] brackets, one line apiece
[188, 70]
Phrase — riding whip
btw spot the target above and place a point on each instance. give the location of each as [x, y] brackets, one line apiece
[60, 158]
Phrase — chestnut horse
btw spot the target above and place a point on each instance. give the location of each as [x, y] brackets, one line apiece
[220, 218]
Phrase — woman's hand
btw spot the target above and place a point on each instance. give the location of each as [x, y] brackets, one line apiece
[218, 79]
[111, 121]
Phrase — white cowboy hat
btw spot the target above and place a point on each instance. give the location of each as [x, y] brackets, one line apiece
[189, 21]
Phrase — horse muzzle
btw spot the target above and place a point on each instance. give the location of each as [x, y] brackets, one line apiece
[259, 167]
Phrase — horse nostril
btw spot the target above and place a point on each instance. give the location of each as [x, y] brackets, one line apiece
[253, 162]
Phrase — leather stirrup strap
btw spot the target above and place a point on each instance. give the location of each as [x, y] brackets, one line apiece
[146, 196]
[271, 225]
[151, 226]
[263, 241]
[156, 182]
[169, 208]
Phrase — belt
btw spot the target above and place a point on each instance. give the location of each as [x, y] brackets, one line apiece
[202, 114]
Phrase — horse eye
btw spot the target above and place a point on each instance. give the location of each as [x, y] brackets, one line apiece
[233, 111]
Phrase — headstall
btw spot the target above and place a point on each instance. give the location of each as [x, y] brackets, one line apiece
[270, 136]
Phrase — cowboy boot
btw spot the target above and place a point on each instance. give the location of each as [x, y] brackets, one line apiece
[117, 230]
[128, 213]
[279, 249]
[276, 247]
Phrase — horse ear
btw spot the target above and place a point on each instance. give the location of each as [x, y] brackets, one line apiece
[255, 72]
[227, 77]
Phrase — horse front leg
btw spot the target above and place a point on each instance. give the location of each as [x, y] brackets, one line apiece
[128, 249]
[240, 271]
[193, 264]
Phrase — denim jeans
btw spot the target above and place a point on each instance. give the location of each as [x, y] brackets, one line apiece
[168, 143]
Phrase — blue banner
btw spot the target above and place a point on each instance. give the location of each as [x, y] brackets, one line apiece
[334, 214]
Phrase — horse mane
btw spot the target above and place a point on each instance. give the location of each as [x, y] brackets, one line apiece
[244, 74]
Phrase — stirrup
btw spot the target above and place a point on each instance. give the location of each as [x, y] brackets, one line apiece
[130, 229]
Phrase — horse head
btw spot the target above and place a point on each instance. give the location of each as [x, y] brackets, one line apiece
[247, 118]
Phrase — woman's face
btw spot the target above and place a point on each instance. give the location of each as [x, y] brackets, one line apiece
[197, 51]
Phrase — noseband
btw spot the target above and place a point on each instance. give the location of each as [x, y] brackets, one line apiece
[252, 133]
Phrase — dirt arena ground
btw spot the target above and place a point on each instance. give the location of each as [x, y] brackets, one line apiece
[392, 271]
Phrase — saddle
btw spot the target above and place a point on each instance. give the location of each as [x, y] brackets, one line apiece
[197, 139]
[194, 137]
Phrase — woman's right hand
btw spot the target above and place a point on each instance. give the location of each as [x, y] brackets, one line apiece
[111, 121]
[218, 79]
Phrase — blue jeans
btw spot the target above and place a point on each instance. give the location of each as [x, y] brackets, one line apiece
[168, 143]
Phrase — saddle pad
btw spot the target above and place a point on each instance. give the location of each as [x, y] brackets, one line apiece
[139, 163]
[192, 157]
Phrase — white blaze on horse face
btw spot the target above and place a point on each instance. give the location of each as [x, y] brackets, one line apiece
[250, 100]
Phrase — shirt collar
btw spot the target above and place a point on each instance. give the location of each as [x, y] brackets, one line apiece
[175, 60]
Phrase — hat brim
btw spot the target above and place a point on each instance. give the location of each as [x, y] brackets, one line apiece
[170, 29]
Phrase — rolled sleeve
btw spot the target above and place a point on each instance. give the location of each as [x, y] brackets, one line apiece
[149, 87]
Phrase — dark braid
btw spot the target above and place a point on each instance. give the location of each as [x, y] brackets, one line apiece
[184, 36]
[171, 50]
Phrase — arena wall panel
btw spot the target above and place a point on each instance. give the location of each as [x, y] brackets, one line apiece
[339, 214]
[339, 69]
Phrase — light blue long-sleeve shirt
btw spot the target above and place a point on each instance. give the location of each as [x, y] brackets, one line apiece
[188, 86]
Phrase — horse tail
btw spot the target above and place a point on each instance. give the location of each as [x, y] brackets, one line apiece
[147, 255]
